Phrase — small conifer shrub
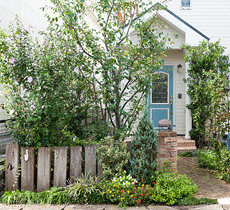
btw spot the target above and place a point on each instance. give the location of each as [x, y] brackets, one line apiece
[143, 149]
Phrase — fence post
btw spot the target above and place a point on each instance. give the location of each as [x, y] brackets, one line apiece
[99, 167]
[44, 168]
[75, 163]
[60, 166]
[27, 173]
[90, 160]
[12, 166]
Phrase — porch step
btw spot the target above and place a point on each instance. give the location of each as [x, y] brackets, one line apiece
[185, 145]
[185, 149]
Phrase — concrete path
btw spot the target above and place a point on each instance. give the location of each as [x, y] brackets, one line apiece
[112, 207]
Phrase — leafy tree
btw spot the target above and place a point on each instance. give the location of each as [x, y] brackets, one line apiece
[207, 88]
[144, 149]
[45, 94]
[117, 67]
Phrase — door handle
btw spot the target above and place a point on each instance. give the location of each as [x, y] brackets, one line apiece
[171, 102]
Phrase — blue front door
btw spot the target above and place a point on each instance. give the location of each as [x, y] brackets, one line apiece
[160, 97]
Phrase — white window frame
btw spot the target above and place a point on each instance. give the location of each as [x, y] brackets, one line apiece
[186, 8]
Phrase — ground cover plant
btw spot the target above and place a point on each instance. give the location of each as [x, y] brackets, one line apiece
[122, 190]
[170, 187]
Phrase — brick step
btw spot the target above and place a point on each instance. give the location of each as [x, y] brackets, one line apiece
[186, 143]
[185, 149]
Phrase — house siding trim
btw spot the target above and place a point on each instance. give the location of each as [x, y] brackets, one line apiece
[174, 15]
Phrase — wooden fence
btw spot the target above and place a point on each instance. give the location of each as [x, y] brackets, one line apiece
[22, 170]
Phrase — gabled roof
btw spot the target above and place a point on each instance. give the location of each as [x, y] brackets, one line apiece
[176, 21]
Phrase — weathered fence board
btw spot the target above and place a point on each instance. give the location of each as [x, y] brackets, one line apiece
[60, 166]
[90, 160]
[99, 167]
[44, 168]
[75, 163]
[12, 166]
[27, 168]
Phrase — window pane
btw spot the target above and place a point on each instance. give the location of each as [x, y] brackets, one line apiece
[185, 3]
[160, 88]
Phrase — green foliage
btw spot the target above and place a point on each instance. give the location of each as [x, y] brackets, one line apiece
[207, 84]
[117, 69]
[126, 191]
[123, 190]
[208, 159]
[191, 200]
[82, 191]
[171, 187]
[195, 135]
[114, 156]
[52, 196]
[188, 154]
[86, 190]
[216, 160]
[143, 149]
[46, 96]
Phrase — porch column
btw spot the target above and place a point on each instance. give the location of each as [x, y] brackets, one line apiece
[188, 117]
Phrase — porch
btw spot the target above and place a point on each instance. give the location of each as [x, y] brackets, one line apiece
[184, 145]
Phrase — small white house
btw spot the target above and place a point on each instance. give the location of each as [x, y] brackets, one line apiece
[193, 21]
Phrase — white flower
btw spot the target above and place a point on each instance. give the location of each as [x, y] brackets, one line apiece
[26, 29]
[11, 61]
[74, 138]
[29, 79]
[11, 112]
[32, 106]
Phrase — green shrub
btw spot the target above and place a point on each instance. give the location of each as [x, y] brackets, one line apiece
[86, 190]
[188, 154]
[143, 149]
[191, 200]
[207, 159]
[195, 135]
[216, 160]
[224, 164]
[114, 156]
[169, 187]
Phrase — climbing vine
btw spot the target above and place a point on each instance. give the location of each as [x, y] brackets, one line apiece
[208, 90]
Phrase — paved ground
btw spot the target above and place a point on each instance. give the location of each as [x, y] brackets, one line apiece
[111, 207]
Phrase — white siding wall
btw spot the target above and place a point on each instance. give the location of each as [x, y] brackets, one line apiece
[28, 14]
[175, 57]
[211, 17]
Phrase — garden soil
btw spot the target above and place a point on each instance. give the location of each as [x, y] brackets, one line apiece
[208, 185]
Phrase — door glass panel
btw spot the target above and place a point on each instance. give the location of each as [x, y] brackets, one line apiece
[160, 88]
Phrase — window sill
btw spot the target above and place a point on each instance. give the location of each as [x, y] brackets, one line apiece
[185, 8]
